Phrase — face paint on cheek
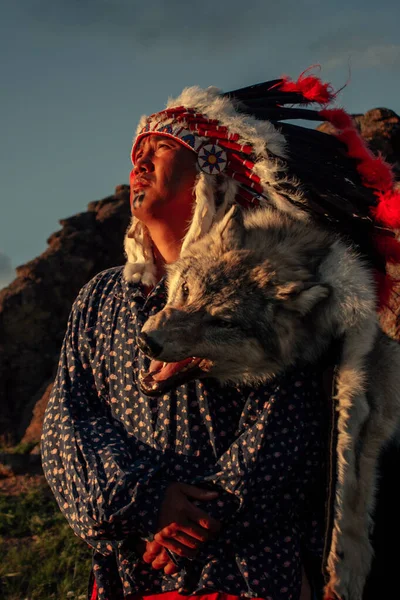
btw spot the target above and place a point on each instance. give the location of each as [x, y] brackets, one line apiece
[137, 200]
[136, 197]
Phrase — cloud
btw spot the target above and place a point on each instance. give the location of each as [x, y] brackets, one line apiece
[7, 273]
[379, 55]
[363, 50]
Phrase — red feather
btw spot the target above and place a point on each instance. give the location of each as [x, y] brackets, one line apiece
[338, 117]
[388, 247]
[376, 173]
[356, 147]
[310, 87]
[388, 209]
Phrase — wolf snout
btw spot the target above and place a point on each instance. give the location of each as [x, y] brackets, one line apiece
[149, 346]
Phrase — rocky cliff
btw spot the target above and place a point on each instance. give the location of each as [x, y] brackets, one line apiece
[34, 308]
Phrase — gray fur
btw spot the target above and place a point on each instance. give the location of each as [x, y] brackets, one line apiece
[275, 281]
[263, 291]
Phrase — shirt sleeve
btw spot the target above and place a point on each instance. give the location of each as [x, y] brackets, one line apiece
[108, 484]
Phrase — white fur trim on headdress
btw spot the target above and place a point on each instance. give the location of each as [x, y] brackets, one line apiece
[140, 262]
[209, 102]
[204, 208]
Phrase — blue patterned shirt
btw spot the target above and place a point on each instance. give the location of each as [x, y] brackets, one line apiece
[109, 452]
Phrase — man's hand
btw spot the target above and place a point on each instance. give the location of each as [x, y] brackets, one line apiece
[183, 526]
[159, 558]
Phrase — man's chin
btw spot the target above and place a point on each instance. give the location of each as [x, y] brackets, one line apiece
[137, 200]
[149, 207]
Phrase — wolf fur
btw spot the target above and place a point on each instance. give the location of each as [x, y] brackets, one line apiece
[263, 291]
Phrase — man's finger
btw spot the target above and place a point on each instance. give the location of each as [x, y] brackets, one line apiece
[161, 561]
[199, 534]
[179, 548]
[153, 549]
[171, 569]
[177, 534]
[155, 553]
[196, 515]
[192, 491]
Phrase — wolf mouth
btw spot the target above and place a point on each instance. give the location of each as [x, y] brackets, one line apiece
[163, 376]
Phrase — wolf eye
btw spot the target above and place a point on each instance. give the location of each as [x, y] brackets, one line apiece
[185, 290]
[223, 323]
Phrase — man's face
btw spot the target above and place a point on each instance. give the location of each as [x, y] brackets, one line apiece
[162, 179]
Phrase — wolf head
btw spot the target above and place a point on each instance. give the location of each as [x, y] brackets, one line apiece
[257, 294]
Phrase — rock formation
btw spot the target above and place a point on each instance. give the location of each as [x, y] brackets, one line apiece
[34, 308]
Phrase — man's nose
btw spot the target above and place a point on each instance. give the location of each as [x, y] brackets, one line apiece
[148, 345]
[143, 164]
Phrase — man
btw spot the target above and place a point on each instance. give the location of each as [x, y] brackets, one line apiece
[204, 489]
[162, 185]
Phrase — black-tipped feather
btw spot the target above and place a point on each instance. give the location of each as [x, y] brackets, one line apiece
[333, 191]
[282, 114]
[258, 90]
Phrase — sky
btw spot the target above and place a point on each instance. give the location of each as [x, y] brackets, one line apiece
[76, 75]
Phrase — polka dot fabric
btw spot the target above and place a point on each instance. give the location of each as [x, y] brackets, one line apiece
[109, 452]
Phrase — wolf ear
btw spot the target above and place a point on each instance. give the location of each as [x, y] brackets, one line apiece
[302, 297]
[231, 229]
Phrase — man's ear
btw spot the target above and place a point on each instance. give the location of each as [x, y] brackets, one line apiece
[231, 228]
[302, 297]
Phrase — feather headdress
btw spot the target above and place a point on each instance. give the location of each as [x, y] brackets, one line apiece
[248, 153]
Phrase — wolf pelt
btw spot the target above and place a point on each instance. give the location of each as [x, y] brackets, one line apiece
[263, 291]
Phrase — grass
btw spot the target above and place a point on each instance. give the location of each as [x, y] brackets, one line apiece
[21, 448]
[40, 556]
